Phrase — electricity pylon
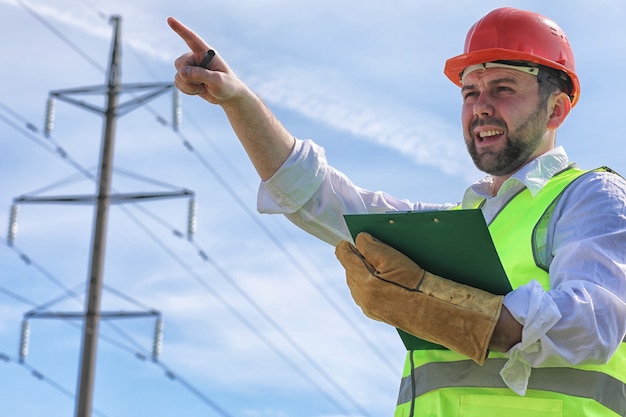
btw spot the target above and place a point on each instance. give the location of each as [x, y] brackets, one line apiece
[102, 200]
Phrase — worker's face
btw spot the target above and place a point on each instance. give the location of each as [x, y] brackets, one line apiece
[504, 121]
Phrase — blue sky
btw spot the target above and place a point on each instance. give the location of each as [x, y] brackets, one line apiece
[263, 326]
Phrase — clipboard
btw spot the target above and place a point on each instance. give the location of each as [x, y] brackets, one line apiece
[454, 244]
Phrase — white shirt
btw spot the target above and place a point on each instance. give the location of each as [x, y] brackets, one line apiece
[580, 320]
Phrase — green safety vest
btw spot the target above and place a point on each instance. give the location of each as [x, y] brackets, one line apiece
[443, 383]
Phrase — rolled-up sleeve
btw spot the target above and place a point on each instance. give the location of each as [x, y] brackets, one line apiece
[314, 196]
[300, 176]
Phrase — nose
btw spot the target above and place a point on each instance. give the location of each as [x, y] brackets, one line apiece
[483, 106]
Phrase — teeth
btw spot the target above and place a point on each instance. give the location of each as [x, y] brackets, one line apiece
[490, 133]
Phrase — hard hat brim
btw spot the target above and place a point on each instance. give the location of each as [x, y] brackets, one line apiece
[456, 65]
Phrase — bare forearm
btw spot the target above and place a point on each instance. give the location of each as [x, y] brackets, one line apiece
[266, 141]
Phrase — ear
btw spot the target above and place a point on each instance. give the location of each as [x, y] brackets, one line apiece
[561, 106]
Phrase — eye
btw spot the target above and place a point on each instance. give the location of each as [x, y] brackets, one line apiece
[467, 95]
[504, 89]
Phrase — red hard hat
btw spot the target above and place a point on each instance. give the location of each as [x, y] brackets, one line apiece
[508, 34]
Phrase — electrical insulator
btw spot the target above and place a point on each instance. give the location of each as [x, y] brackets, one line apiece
[49, 124]
[177, 112]
[192, 218]
[158, 339]
[12, 225]
[24, 338]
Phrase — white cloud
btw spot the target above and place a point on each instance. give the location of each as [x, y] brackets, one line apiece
[314, 59]
[327, 99]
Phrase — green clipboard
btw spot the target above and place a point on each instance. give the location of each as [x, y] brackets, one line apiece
[454, 244]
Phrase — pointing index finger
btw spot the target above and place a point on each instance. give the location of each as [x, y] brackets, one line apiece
[191, 38]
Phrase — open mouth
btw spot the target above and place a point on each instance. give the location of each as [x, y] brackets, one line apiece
[488, 136]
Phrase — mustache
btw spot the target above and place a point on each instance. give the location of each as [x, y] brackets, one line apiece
[491, 121]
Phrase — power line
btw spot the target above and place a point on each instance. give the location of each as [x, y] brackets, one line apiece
[292, 259]
[276, 241]
[224, 184]
[112, 110]
[92, 332]
[351, 323]
[61, 36]
[30, 262]
[253, 328]
[17, 297]
[49, 145]
[260, 311]
[41, 377]
[139, 352]
[168, 373]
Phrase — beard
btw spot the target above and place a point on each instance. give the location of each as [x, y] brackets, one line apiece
[519, 147]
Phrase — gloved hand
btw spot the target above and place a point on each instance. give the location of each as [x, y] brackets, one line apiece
[391, 288]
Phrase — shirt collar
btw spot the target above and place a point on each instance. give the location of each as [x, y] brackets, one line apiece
[534, 176]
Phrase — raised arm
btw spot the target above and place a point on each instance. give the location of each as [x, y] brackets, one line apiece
[266, 141]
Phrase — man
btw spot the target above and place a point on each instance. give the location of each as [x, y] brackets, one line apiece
[551, 347]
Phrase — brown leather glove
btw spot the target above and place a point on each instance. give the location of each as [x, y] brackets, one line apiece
[391, 288]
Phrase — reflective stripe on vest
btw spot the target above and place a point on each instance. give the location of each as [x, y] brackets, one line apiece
[462, 373]
[435, 381]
